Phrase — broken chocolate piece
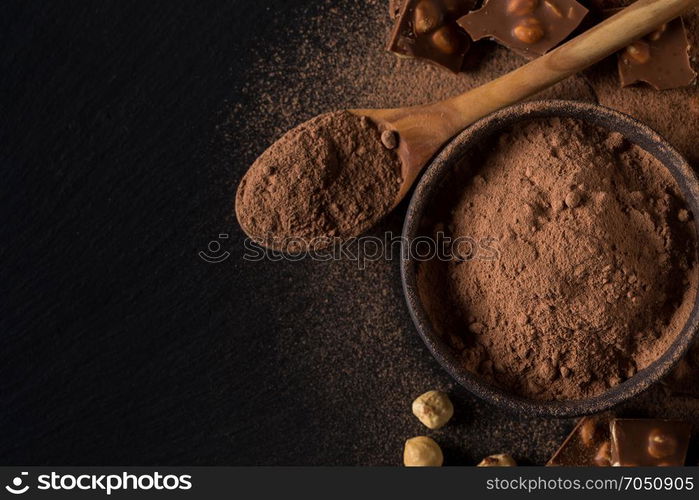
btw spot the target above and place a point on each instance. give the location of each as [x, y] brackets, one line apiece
[588, 445]
[661, 59]
[427, 29]
[529, 27]
[649, 442]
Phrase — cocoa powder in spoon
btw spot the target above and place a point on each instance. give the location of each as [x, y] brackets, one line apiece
[332, 177]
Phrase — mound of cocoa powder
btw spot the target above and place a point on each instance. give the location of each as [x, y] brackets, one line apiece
[330, 177]
[594, 273]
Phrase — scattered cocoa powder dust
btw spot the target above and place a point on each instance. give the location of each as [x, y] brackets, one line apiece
[339, 61]
[595, 274]
[341, 45]
[330, 177]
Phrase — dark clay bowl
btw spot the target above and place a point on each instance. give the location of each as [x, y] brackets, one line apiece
[429, 185]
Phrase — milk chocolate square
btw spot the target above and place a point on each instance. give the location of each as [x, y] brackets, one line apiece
[660, 59]
[529, 27]
[649, 442]
[427, 29]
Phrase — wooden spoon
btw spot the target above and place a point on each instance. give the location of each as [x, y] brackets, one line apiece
[424, 129]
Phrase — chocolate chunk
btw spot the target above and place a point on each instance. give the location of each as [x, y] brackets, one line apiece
[427, 29]
[661, 59]
[529, 27]
[588, 445]
[649, 442]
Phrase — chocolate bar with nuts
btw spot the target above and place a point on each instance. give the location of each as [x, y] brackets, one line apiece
[529, 27]
[588, 445]
[427, 29]
[649, 442]
[661, 59]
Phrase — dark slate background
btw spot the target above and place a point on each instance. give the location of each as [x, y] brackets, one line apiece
[119, 344]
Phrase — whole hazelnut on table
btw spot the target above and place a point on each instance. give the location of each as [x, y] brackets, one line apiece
[433, 409]
[500, 460]
[422, 451]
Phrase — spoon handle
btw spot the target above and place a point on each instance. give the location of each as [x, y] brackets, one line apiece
[606, 38]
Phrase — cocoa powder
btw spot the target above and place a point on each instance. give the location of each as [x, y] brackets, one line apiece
[341, 46]
[331, 177]
[595, 272]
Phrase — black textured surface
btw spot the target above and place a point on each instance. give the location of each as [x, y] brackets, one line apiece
[120, 345]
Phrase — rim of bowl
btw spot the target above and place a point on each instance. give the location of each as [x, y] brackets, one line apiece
[632, 130]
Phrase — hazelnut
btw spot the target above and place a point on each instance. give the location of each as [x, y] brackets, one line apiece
[603, 458]
[528, 30]
[661, 444]
[426, 17]
[500, 460]
[433, 409]
[553, 8]
[588, 430]
[422, 451]
[655, 36]
[521, 7]
[638, 51]
[447, 40]
[682, 215]
[389, 139]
